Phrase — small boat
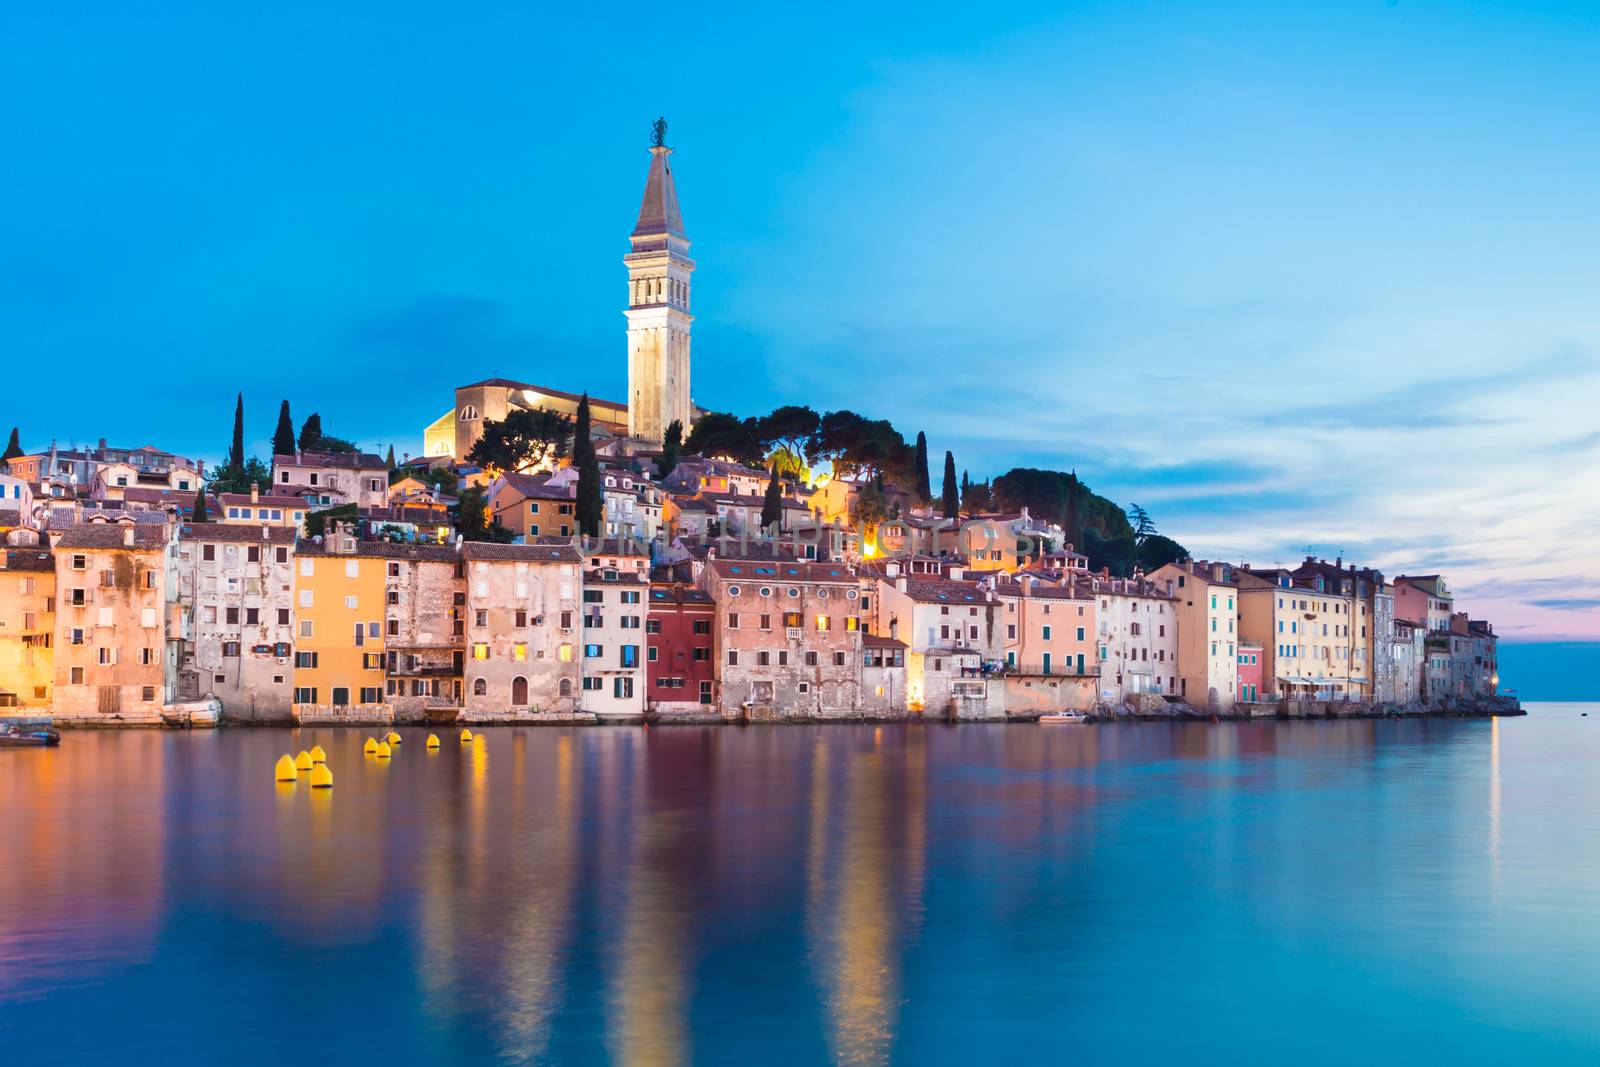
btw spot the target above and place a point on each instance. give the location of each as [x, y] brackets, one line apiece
[1061, 717]
[29, 734]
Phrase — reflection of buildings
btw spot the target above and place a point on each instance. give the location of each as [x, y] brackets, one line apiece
[82, 883]
[864, 877]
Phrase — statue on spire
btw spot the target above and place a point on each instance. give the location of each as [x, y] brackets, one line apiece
[658, 133]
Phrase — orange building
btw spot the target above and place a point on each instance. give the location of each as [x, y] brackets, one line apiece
[340, 589]
[27, 624]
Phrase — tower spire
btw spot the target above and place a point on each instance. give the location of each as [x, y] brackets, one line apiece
[658, 303]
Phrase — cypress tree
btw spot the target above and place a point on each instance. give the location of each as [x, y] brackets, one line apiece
[590, 506]
[671, 445]
[924, 485]
[772, 503]
[391, 459]
[236, 452]
[283, 436]
[952, 502]
[311, 432]
[1074, 531]
[13, 446]
[200, 514]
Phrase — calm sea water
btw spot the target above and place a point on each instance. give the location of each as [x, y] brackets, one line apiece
[1200, 894]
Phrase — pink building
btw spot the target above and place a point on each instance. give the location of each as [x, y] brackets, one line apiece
[1249, 689]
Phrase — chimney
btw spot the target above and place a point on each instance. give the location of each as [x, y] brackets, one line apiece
[127, 531]
[900, 584]
[1026, 582]
[892, 569]
[255, 492]
[1216, 572]
[264, 536]
[956, 573]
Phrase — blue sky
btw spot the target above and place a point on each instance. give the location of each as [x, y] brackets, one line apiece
[1288, 278]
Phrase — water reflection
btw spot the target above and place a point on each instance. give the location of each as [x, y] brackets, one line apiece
[673, 895]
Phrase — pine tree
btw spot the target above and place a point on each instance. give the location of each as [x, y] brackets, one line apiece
[13, 446]
[590, 506]
[236, 452]
[924, 485]
[952, 502]
[671, 445]
[311, 433]
[772, 503]
[200, 514]
[283, 436]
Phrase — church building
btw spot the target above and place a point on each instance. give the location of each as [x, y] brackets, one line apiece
[659, 270]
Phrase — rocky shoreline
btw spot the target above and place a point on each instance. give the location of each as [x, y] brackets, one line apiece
[1151, 709]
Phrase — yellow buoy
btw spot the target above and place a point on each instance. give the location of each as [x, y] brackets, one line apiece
[383, 750]
[321, 777]
[317, 755]
[393, 738]
[371, 747]
[285, 770]
[466, 735]
[433, 740]
[303, 761]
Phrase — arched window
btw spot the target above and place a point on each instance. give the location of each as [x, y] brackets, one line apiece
[468, 413]
[519, 691]
[480, 687]
[566, 687]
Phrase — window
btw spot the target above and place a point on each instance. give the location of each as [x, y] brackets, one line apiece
[480, 687]
[341, 696]
[371, 694]
[208, 553]
[733, 620]
[622, 687]
[591, 684]
[305, 659]
[593, 651]
[230, 649]
[305, 694]
[705, 692]
[839, 659]
[811, 659]
[652, 654]
[519, 650]
[306, 628]
[824, 623]
[480, 650]
[733, 657]
[630, 656]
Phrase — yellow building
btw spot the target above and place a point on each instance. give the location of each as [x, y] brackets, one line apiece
[1307, 645]
[27, 622]
[340, 603]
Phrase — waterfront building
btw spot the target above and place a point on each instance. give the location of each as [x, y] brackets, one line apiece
[1410, 657]
[1049, 644]
[236, 586]
[332, 478]
[424, 629]
[1205, 599]
[680, 635]
[616, 584]
[788, 637]
[1425, 600]
[27, 627]
[117, 623]
[1370, 626]
[522, 630]
[340, 593]
[1138, 630]
[883, 675]
[1306, 634]
[950, 627]
[1248, 687]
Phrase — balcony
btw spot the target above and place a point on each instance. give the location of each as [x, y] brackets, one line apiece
[1054, 670]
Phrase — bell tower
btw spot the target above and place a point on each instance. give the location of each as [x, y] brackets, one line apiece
[658, 304]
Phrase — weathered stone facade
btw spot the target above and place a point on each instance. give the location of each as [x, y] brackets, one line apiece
[521, 631]
[788, 638]
[236, 584]
[425, 638]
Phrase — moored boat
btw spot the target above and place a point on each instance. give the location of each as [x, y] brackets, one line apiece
[1063, 717]
[29, 734]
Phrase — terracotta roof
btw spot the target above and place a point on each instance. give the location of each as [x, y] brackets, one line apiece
[10, 517]
[272, 501]
[781, 571]
[1040, 591]
[406, 550]
[339, 460]
[209, 531]
[536, 486]
[665, 593]
[942, 591]
[539, 552]
[612, 546]
[877, 641]
[147, 537]
[29, 559]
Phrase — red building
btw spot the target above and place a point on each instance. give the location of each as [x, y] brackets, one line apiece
[1249, 689]
[680, 651]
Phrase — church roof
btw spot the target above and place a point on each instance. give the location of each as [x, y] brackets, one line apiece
[659, 212]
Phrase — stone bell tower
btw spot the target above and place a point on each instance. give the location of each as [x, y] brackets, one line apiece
[658, 304]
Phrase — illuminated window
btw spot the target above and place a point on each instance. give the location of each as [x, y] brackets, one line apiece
[519, 650]
[566, 654]
[823, 622]
[480, 650]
